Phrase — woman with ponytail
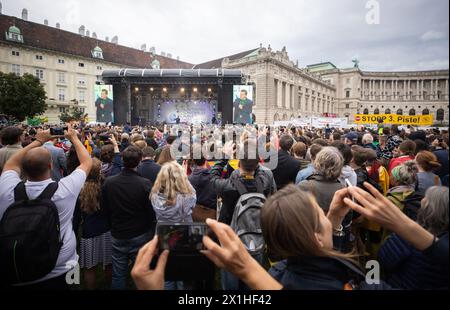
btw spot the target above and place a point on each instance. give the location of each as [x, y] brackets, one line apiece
[427, 162]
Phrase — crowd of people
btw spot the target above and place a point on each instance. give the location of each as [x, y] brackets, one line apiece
[325, 201]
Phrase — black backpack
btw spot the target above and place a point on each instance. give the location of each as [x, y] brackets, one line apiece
[30, 238]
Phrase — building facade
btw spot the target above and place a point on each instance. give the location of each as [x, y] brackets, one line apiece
[403, 93]
[283, 90]
[68, 64]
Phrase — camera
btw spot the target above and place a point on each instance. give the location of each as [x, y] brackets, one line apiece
[105, 137]
[58, 131]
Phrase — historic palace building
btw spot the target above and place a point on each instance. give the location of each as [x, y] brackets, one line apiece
[68, 64]
[283, 90]
[403, 93]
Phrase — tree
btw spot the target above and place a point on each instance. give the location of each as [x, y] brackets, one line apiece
[75, 115]
[21, 97]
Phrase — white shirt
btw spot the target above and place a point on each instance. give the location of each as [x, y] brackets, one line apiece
[64, 198]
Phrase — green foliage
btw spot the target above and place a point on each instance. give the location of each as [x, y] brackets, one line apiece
[21, 96]
[74, 115]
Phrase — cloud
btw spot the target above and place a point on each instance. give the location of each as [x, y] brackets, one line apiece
[432, 35]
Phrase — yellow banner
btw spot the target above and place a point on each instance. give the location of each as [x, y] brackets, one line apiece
[415, 120]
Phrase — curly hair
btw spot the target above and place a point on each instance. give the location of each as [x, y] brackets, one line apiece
[90, 194]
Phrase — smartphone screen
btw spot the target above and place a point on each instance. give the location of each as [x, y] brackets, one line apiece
[181, 237]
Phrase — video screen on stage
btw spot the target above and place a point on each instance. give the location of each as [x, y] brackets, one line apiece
[243, 104]
[104, 103]
[185, 111]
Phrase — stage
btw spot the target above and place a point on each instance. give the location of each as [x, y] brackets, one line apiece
[149, 97]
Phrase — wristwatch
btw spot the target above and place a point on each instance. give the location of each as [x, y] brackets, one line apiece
[339, 232]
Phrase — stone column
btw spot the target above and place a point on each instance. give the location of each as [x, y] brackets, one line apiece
[280, 94]
[446, 89]
[362, 88]
[432, 89]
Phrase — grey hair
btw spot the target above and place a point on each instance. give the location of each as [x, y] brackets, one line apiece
[434, 215]
[329, 163]
[367, 138]
[405, 174]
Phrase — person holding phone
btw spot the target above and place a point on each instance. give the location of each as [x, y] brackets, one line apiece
[173, 199]
[230, 252]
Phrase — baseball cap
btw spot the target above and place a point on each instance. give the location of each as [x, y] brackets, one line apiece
[353, 136]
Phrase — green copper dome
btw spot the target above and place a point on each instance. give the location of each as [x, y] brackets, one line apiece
[14, 29]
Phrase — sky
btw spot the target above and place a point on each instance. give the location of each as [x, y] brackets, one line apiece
[384, 35]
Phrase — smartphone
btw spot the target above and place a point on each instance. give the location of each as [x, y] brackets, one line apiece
[181, 238]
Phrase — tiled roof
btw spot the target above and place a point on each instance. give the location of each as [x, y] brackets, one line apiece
[58, 40]
[217, 63]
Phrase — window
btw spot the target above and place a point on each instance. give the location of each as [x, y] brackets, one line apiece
[15, 69]
[61, 77]
[14, 34]
[39, 57]
[412, 112]
[82, 110]
[81, 82]
[440, 115]
[366, 111]
[99, 68]
[62, 94]
[347, 94]
[426, 112]
[40, 74]
[81, 96]
[347, 81]
[81, 65]
[376, 112]
[400, 112]
[61, 61]
[15, 53]
[62, 110]
[388, 111]
[347, 106]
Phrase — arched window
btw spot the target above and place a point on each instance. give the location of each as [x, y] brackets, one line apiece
[376, 112]
[412, 112]
[276, 117]
[426, 112]
[399, 112]
[388, 111]
[285, 117]
[440, 114]
[292, 117]
[366, 111]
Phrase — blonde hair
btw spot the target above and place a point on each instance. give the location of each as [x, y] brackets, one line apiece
[172, 180]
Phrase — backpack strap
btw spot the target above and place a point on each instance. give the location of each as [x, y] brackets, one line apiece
[20, 193]
[49, 191]
[240, 187]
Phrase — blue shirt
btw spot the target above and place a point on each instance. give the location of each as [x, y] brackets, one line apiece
[304, 174]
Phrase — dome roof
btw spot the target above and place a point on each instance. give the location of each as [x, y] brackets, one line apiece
[98, 49]
[14, 29]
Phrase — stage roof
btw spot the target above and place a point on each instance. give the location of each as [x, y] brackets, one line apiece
[172, 73]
